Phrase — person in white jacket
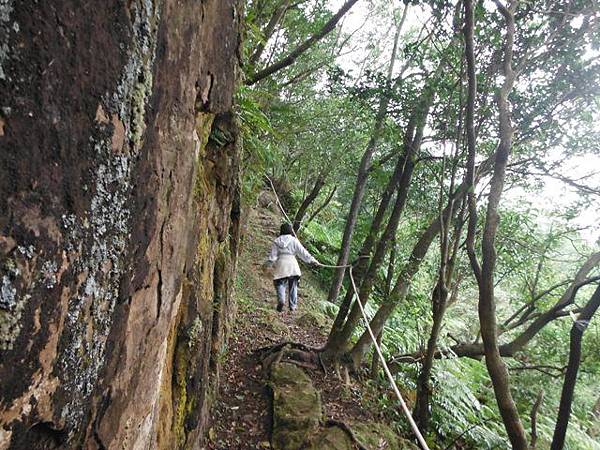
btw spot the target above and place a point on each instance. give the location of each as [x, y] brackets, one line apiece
[286, 271]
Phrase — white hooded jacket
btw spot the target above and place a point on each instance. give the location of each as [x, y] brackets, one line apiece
[283, 254]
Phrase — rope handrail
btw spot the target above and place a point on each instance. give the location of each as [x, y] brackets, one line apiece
[386, 369]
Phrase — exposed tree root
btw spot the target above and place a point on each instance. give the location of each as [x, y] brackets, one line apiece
[295, 345]
[272, 358]
[346, 375]
[290, 352]
[303, 356]
[346, 428]
[321, 364]
[301, 364]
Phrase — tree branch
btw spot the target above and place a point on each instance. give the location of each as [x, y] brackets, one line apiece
[306, 45]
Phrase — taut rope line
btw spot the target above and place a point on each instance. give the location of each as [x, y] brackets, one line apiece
[390, 377]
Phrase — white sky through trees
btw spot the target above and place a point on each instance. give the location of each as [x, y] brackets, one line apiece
[371, 26]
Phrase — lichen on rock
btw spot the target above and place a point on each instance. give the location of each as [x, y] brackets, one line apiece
[112, 317]
[6, 8]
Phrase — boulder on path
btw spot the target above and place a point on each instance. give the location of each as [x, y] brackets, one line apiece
[297, 409]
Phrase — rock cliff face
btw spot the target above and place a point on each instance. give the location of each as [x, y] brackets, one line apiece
[119, 212]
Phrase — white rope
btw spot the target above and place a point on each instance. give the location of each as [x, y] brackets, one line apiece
[390, 377]
[405, 409]
[281, 206]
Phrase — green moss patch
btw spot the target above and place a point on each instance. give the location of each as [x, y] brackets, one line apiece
[311, 319]
[297, 407]
[332, 438]
[377, 435]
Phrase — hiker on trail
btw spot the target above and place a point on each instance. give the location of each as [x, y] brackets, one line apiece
[286, 271]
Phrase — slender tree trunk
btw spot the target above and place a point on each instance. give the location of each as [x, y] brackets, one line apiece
[439, 299]
[375, 227]
[389, 276]
[367, 247]
[401, 287]
[487, 306]
[471, 138]
[397, 295]
[306, 45]
[363, 173]
[339, 338]
[269, 30]
[375, 358]
[423, 401]
[404, 279]
[566, 397]
[363, 264]
[533, 416]
[323, 206]
[389, 279]
[341, 331]
[308, 200]
[339, 341]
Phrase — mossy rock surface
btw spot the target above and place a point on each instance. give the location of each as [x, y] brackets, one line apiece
[375, 435]
[311, 319]
[332, 438]
[271, 320]
[297, 407]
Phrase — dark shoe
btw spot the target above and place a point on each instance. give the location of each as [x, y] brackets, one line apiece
[279, 307]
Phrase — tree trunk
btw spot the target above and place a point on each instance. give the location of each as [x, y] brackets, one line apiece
[402, 285]
[389, 276]
[341, 332]
[566, 397]
[423, 401]
[404, 279]
[113, 310]
[375, 358]
[439, 301]
[323, 206]
[361, 178]
[269, 30]
[487, 306]
[533, 418]
[308, 200]
[339, 337]
[339, 340]
[363, 264]
[388, 288]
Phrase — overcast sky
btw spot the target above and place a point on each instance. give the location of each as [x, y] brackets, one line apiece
[366, 24]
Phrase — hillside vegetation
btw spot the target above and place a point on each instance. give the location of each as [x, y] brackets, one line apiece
[449, 151]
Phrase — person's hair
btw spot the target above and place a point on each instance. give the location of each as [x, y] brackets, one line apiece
[285, 228]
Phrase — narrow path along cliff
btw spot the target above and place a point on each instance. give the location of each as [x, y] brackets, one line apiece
[242, 417]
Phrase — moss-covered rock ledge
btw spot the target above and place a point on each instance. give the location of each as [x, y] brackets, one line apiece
[297, 409]
[298, 419]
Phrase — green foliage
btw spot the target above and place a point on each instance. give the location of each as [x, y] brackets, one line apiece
[259, 154]
[315, 119]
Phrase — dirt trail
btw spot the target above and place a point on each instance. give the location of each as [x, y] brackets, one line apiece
[241, 416]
